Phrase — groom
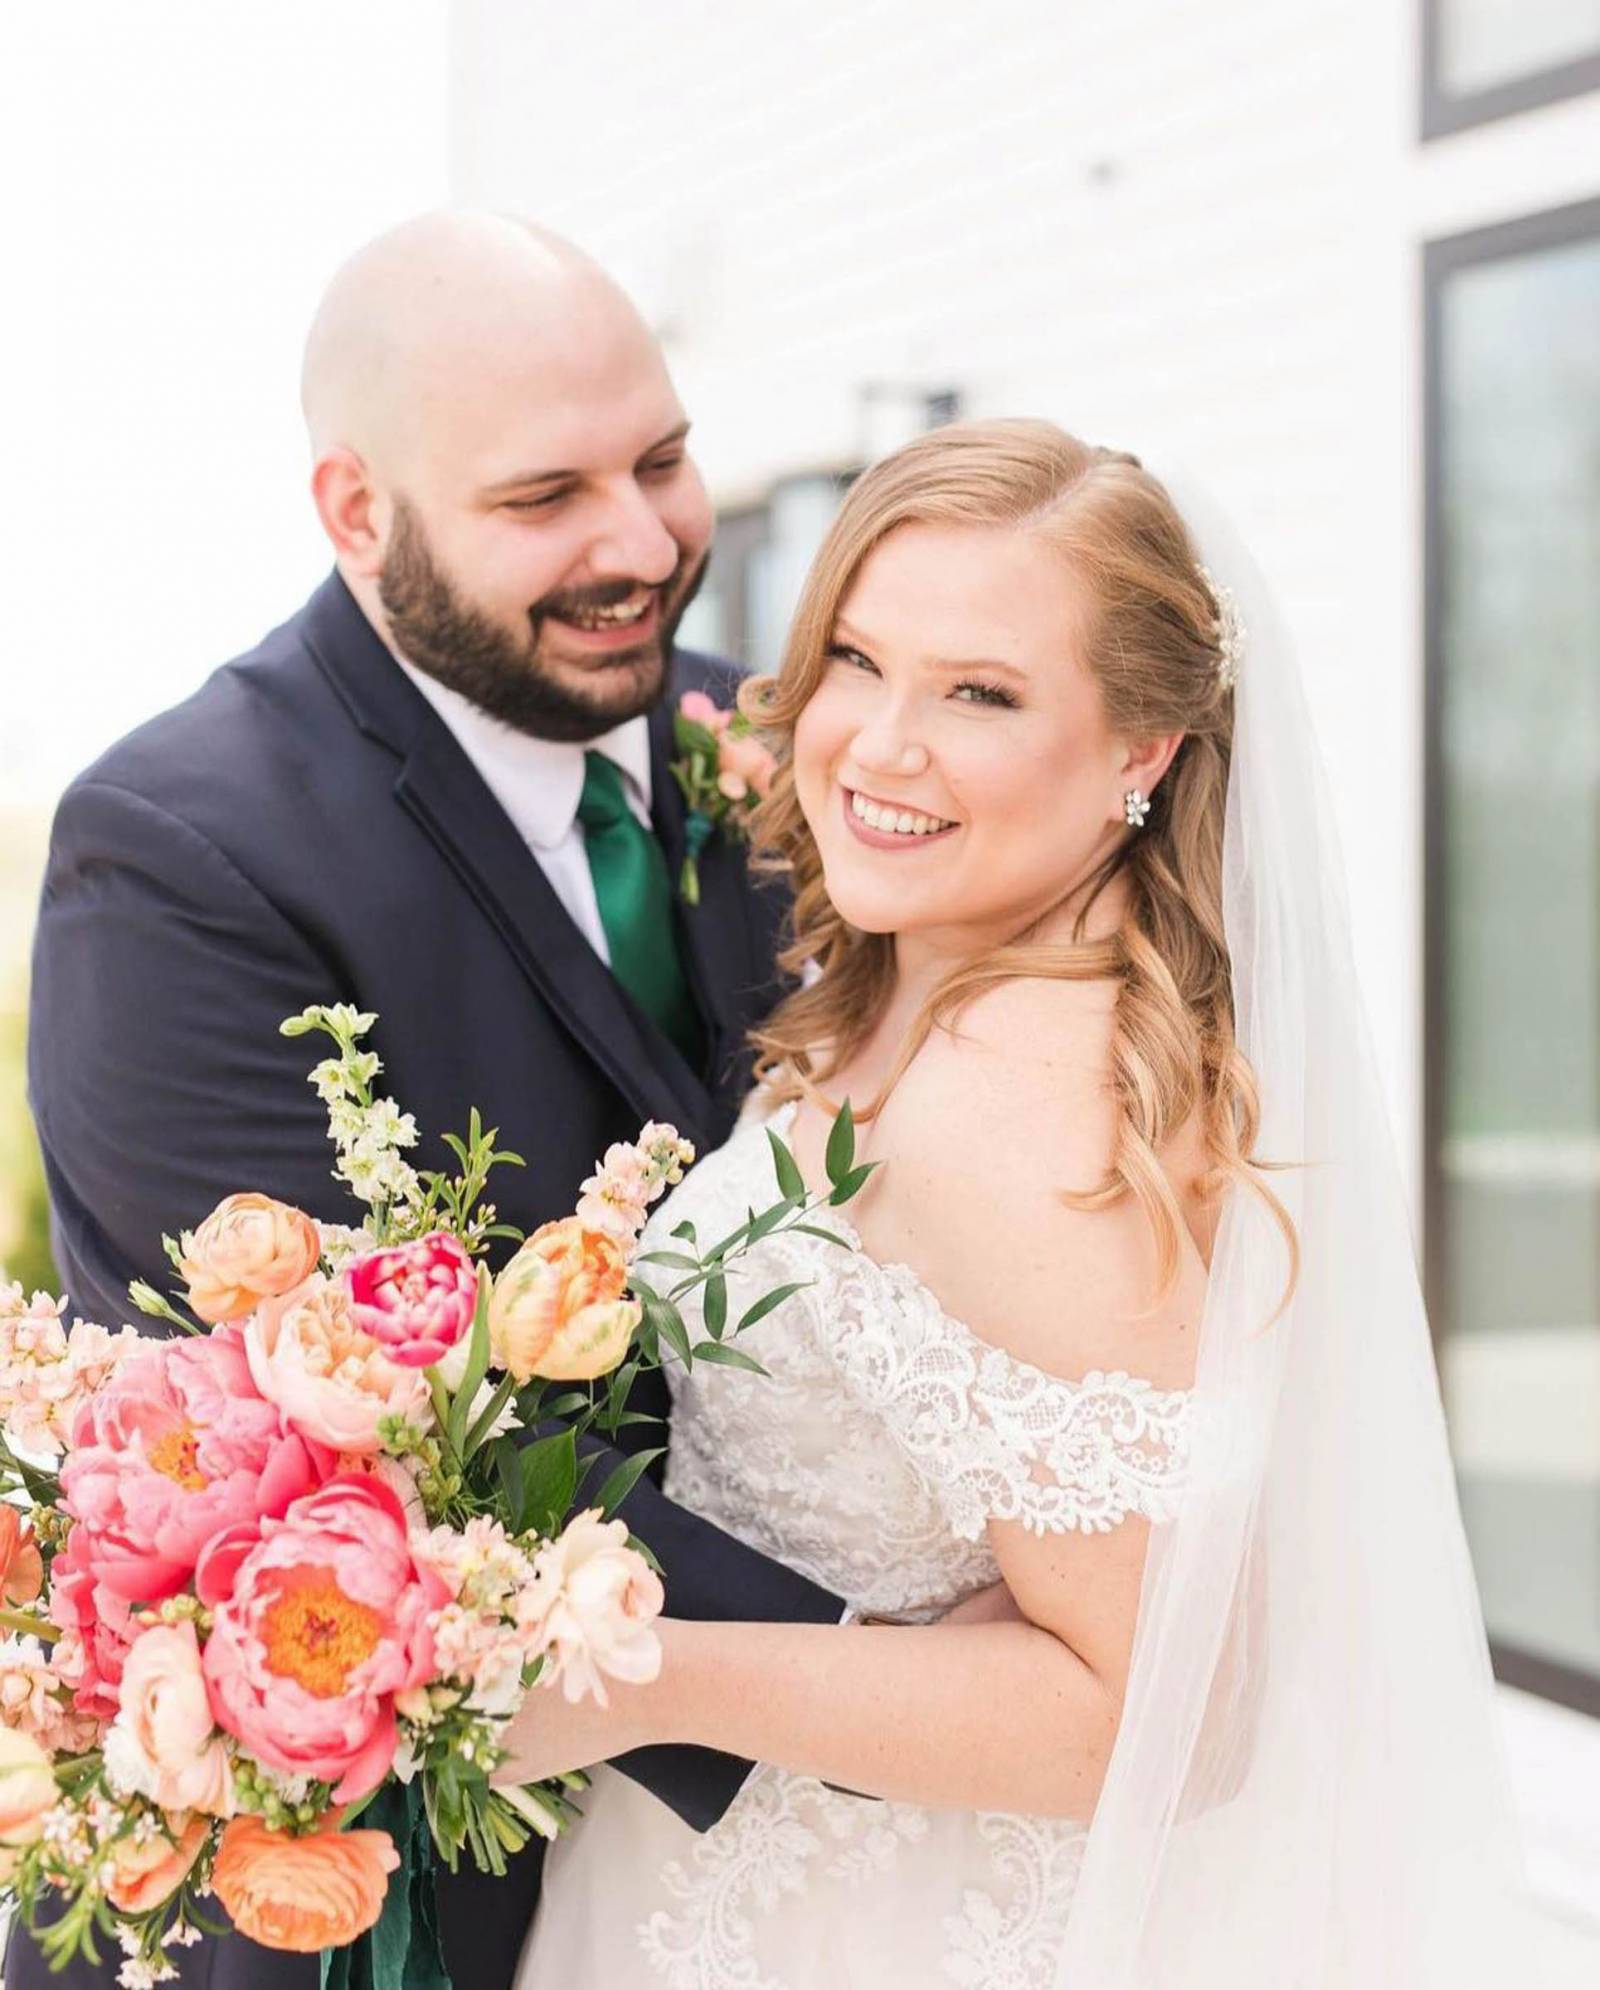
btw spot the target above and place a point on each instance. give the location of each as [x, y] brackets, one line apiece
[440, 791]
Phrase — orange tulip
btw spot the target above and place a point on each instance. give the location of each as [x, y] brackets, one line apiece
[302, 1894]
[21, 1570]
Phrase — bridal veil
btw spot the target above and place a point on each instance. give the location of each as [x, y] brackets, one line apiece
[1307, 1791]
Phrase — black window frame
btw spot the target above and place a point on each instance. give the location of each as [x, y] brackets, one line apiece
[1549, 228]
[1445, 112]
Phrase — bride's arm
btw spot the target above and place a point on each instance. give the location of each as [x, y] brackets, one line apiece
[1016, 1716]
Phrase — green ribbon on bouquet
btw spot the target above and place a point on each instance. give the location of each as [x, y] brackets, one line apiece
[402, 1951]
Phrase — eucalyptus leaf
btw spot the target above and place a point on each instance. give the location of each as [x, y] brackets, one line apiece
[716, 1305]
[725, 1356]
[850, 1183]
[623, 1480]
[768, 1303]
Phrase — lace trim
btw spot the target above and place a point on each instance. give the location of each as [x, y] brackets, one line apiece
[1001, 1438]
[1016, 1946]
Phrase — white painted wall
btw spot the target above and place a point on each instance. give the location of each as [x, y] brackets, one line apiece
[1194, 230]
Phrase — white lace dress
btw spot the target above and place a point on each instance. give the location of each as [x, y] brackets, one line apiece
[886, 1437]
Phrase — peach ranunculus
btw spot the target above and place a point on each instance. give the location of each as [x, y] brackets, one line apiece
[318, 1620]
[333, 1382]
[21, 1569]
[248, 1249]
[145, 1871]
[27, 1791]
[174, 1448]
[164, 1743]
[591, 1609]
[317, 1891]
[558, 1310]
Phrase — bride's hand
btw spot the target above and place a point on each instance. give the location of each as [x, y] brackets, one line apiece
[547, 1736]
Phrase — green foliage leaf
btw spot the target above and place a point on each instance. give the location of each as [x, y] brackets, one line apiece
[716, 1304]
[851, 1181]
[623, 1480]
[791, 1183]
[477, 1365]
[841, 1150]
[724, 1355]
[549, 1468]
[768, 1303]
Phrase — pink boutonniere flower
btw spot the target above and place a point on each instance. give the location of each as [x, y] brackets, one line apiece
[723, 770]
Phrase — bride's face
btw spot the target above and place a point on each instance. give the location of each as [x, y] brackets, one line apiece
[954, 763]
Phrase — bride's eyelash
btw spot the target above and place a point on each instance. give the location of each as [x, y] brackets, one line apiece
[984, 692]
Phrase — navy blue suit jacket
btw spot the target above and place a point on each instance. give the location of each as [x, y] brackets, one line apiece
[306, 829]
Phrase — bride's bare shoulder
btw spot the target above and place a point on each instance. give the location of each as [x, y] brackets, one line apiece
[992, 1121]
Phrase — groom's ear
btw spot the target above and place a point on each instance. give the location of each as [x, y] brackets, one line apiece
[349, 506]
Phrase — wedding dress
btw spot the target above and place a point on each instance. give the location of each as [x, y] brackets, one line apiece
[885, 1438]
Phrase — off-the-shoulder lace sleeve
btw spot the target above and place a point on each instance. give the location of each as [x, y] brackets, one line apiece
[997, 1438]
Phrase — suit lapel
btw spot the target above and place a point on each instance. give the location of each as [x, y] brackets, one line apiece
[440, 789]
[723, 954]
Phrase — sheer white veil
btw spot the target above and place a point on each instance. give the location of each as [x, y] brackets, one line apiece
[1307, 1789]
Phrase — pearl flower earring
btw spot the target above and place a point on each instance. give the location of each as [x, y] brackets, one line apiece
[1136, 807]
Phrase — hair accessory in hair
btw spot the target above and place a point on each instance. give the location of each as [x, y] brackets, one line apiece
[1230, 630]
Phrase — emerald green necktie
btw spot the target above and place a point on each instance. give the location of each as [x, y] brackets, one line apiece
[635, 898]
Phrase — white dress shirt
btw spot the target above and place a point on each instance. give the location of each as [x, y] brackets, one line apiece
[538, 782]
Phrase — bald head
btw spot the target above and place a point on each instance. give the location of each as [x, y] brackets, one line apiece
[501, 466]
[441, 315]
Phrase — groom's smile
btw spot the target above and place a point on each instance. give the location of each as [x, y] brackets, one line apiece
[503, 466]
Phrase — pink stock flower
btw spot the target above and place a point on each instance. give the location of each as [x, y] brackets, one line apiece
[47, 1373]
[331, 1379]
[320, 1618]
[35, 1698]
[416, 1300]
[175, 1447]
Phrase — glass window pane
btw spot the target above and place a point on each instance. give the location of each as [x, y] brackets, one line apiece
[1483, 43]
[1519, 1160]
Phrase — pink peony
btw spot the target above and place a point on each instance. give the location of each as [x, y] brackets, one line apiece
[416, 1300]
[320, 1618]
[591, 1609]
[175, 1447]
[97, 1627]
[331, 1379]
[695, 705]
[164, 1742]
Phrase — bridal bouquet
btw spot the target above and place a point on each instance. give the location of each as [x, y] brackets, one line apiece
[298, 1564]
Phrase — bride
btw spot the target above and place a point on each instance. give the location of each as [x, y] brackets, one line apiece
[1111, 1411]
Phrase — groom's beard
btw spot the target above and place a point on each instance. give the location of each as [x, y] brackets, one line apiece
[439, 630]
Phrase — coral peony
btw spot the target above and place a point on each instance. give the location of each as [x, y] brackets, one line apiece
[320, 1618]
[248, 1249]
[314, 1892]
[163, 1742]
[332, 1380]
[558, 1309]
[175, 1447]
[416, 1300]
[21, 1570]
[27, 1791]
[591, 1609]
[144, 1871]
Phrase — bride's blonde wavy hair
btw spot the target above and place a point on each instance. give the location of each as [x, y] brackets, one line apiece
[1153, 650]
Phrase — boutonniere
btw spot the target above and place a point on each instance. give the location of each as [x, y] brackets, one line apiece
[723, 770]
